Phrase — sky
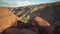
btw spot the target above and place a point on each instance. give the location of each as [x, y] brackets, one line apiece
[19, 3]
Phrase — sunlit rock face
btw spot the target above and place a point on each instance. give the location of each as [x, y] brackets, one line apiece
[7, 18]
[40, 21]
[42, 25]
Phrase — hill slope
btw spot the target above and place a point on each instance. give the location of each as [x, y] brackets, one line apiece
[50, 12]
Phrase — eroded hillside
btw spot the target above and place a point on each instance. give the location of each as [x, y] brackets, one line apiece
[49, 12]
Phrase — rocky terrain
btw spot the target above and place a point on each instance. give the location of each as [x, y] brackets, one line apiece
[36, 19]
[49, 11]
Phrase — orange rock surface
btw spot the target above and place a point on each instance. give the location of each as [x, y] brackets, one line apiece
[42, 25]
[7, 18]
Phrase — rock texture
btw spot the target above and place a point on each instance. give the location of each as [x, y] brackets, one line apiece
[7, 18]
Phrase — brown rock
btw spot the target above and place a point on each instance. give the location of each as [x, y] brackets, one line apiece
[57, 29]
[13, 31]
[42, 25]
[18, 31]
[7, 18]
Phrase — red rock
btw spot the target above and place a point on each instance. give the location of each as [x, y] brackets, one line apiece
[42, 25]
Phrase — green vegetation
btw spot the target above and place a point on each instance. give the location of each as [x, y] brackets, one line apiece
[24, 19]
